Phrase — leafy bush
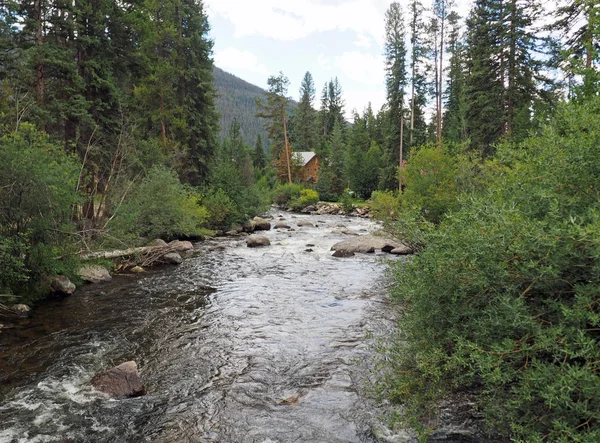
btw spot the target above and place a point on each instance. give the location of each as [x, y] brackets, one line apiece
[37, 196]
[384, 205]
[346, 202]
[222, 210]
[286, 193]
[161, 207]
[430, 179]
[307, 197]
[505, 299]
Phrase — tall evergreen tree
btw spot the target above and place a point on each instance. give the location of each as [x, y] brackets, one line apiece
[396, 81]
[454, 124]
[178, 89]
[332, 108]
[274, 111]
[418, 81]
[578, 22]
[258, 155]
[485, 115]
[305, 118]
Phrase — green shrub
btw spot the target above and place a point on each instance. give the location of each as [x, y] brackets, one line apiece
[346, 202]
[307, 197]
[430, 178]
[161, 207]
[223, 211]
[286, 193]
[37, 196]
[384, 205]
[505, 299]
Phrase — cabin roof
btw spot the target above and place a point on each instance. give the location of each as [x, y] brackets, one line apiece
[304, 157]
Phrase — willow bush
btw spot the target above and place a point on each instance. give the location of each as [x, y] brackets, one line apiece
[505, 299]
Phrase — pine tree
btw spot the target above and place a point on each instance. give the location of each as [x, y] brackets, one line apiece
[396, 81]
[453, 127]
[177, 91]
[259, 158]
[578, 22]
[441, 11]
[485, 114]
[305, 118]
[332, 108]
[274, 111]
[418, 76]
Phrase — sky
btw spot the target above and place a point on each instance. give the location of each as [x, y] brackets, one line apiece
[330, 38]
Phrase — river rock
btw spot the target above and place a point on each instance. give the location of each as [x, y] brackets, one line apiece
[21, 310]
[260, 224]
[159, 243]
[249, 226]
[61, 285]
[304, 223]
[366, 244]
[255, 241]
[309, 209]
[341, 254]
[122, 381]
[94, 273]
[181, 246]
[402, 250]
[281, 225]
[172, 258]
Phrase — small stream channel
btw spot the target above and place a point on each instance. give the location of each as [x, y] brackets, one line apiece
[235, 345]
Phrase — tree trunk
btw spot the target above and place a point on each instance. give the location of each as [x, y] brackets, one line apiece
[287, 149]
[441, 75]
[40, 83]
[401, 149]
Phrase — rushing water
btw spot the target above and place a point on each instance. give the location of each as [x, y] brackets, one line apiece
[234, 345]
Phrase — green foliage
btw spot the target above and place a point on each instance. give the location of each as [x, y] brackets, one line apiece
[504, 300]
[222, 209]
[286, 193]
[384, 205]
[430, 179]
[37, 196]
[346, 202]
[161, 207]
[307, 197]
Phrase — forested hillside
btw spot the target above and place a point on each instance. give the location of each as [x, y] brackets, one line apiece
[236, 99]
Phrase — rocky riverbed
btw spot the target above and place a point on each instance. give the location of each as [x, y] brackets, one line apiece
[236, 344]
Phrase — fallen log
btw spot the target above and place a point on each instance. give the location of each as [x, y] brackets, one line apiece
[118, 253]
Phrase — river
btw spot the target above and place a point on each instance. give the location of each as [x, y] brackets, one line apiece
[236, 344]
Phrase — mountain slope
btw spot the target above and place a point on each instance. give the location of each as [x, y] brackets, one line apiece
[236, 99]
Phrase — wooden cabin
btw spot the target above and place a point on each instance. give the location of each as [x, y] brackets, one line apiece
[310, 165]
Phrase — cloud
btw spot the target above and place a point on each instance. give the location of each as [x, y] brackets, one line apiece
[362, 67]
[234, 60]
[363, 41]
[324, 62]
[292, 20]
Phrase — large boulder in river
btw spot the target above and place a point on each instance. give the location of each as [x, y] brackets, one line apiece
[61, 286]
[305, 224]
[172, 258]
[94, 273]
[181, 246]
[260, 224]
[158, 243]
[282, 225]
[256, 241]
[120, 382]
[366, 243]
